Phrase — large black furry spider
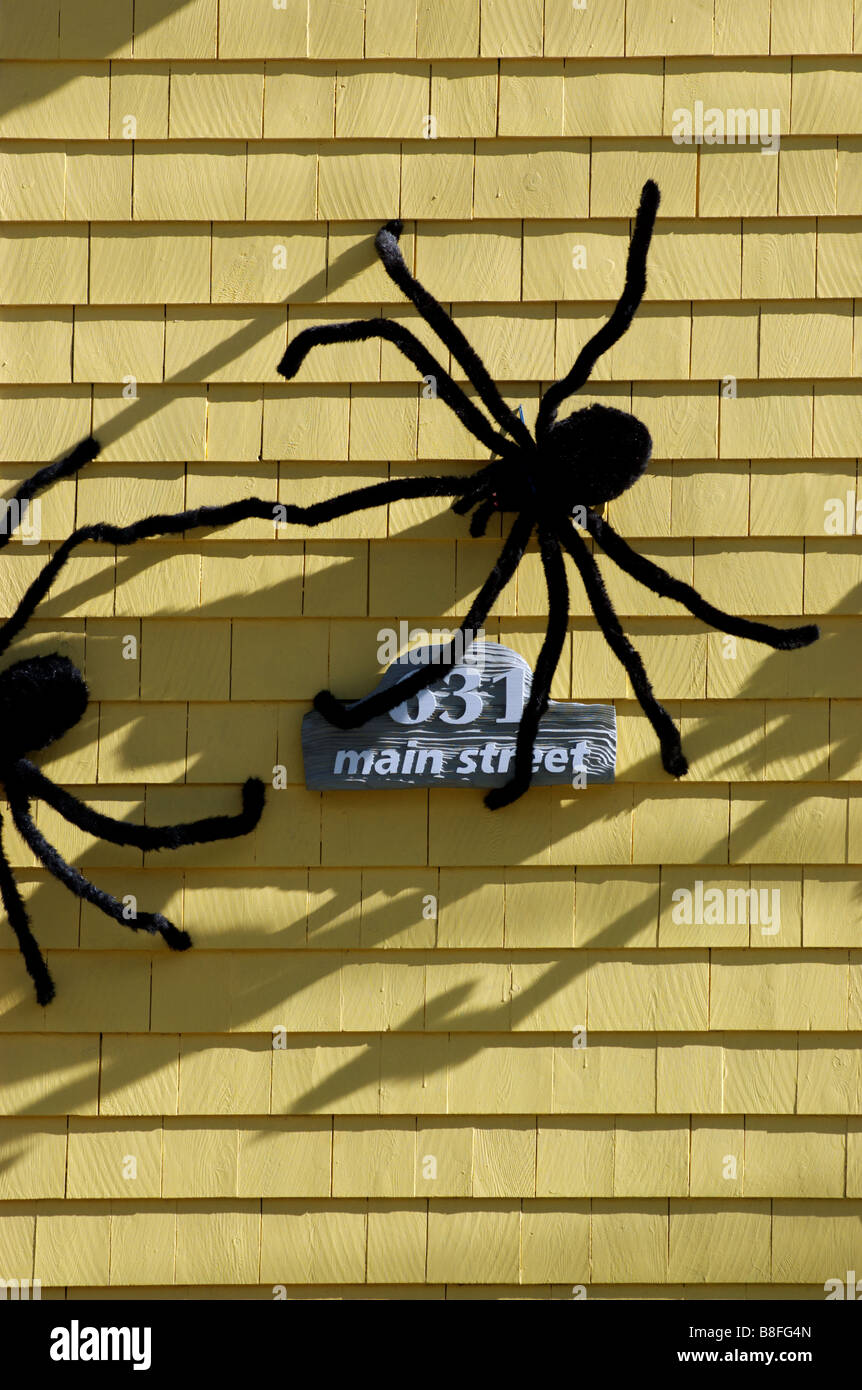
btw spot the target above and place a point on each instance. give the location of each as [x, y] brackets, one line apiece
[42, 698]
[581, 462]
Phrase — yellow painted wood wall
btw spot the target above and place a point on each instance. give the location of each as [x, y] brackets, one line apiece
[408, 1037]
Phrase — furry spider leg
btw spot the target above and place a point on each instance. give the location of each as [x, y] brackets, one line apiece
[652, 576]
[477, 493]
[19, 921]
[174, 523]
[351, 716]
[54, 862]
[415, 351]
[334, 710]
[480, 518]
[672, 757]
[447, 331]
[549, 657]
[147, 837]
[84, 452]
[625, 310]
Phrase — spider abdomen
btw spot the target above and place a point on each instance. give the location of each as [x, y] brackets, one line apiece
[41, 698]
[597, 453]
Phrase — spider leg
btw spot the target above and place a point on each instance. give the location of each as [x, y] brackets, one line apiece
[169, 524]
[352, 715]
[549, 656]
[784, 639]
[377, 494]
[447, 331]
[416, 351]
[625, 310]
[147, 837]
[82, 887]
[83, 452]
[20, 924]
[479, 493]
[672, 757]
[469, 499]
[480, 518]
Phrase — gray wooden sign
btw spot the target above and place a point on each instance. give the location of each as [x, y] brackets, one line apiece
[460, 732]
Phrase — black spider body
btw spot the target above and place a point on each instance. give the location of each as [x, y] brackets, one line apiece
[589, 458]
[569, 467]
[41, 699]
[606, 449]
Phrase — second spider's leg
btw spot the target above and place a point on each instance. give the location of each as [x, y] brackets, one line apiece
[81, 886]
[352, 715]
[652, 576]
[20, 924]
[549, 657]
[672, 757]
[146, 837]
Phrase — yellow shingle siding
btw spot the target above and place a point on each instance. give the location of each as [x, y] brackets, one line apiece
[178, 200]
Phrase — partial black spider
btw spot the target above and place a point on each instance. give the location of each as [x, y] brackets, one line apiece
[42, 698]
[583, 461]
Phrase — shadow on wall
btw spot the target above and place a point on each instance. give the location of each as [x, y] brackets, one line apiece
[118, 24]
[268, 994]
[530, 821]
[311, 291]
